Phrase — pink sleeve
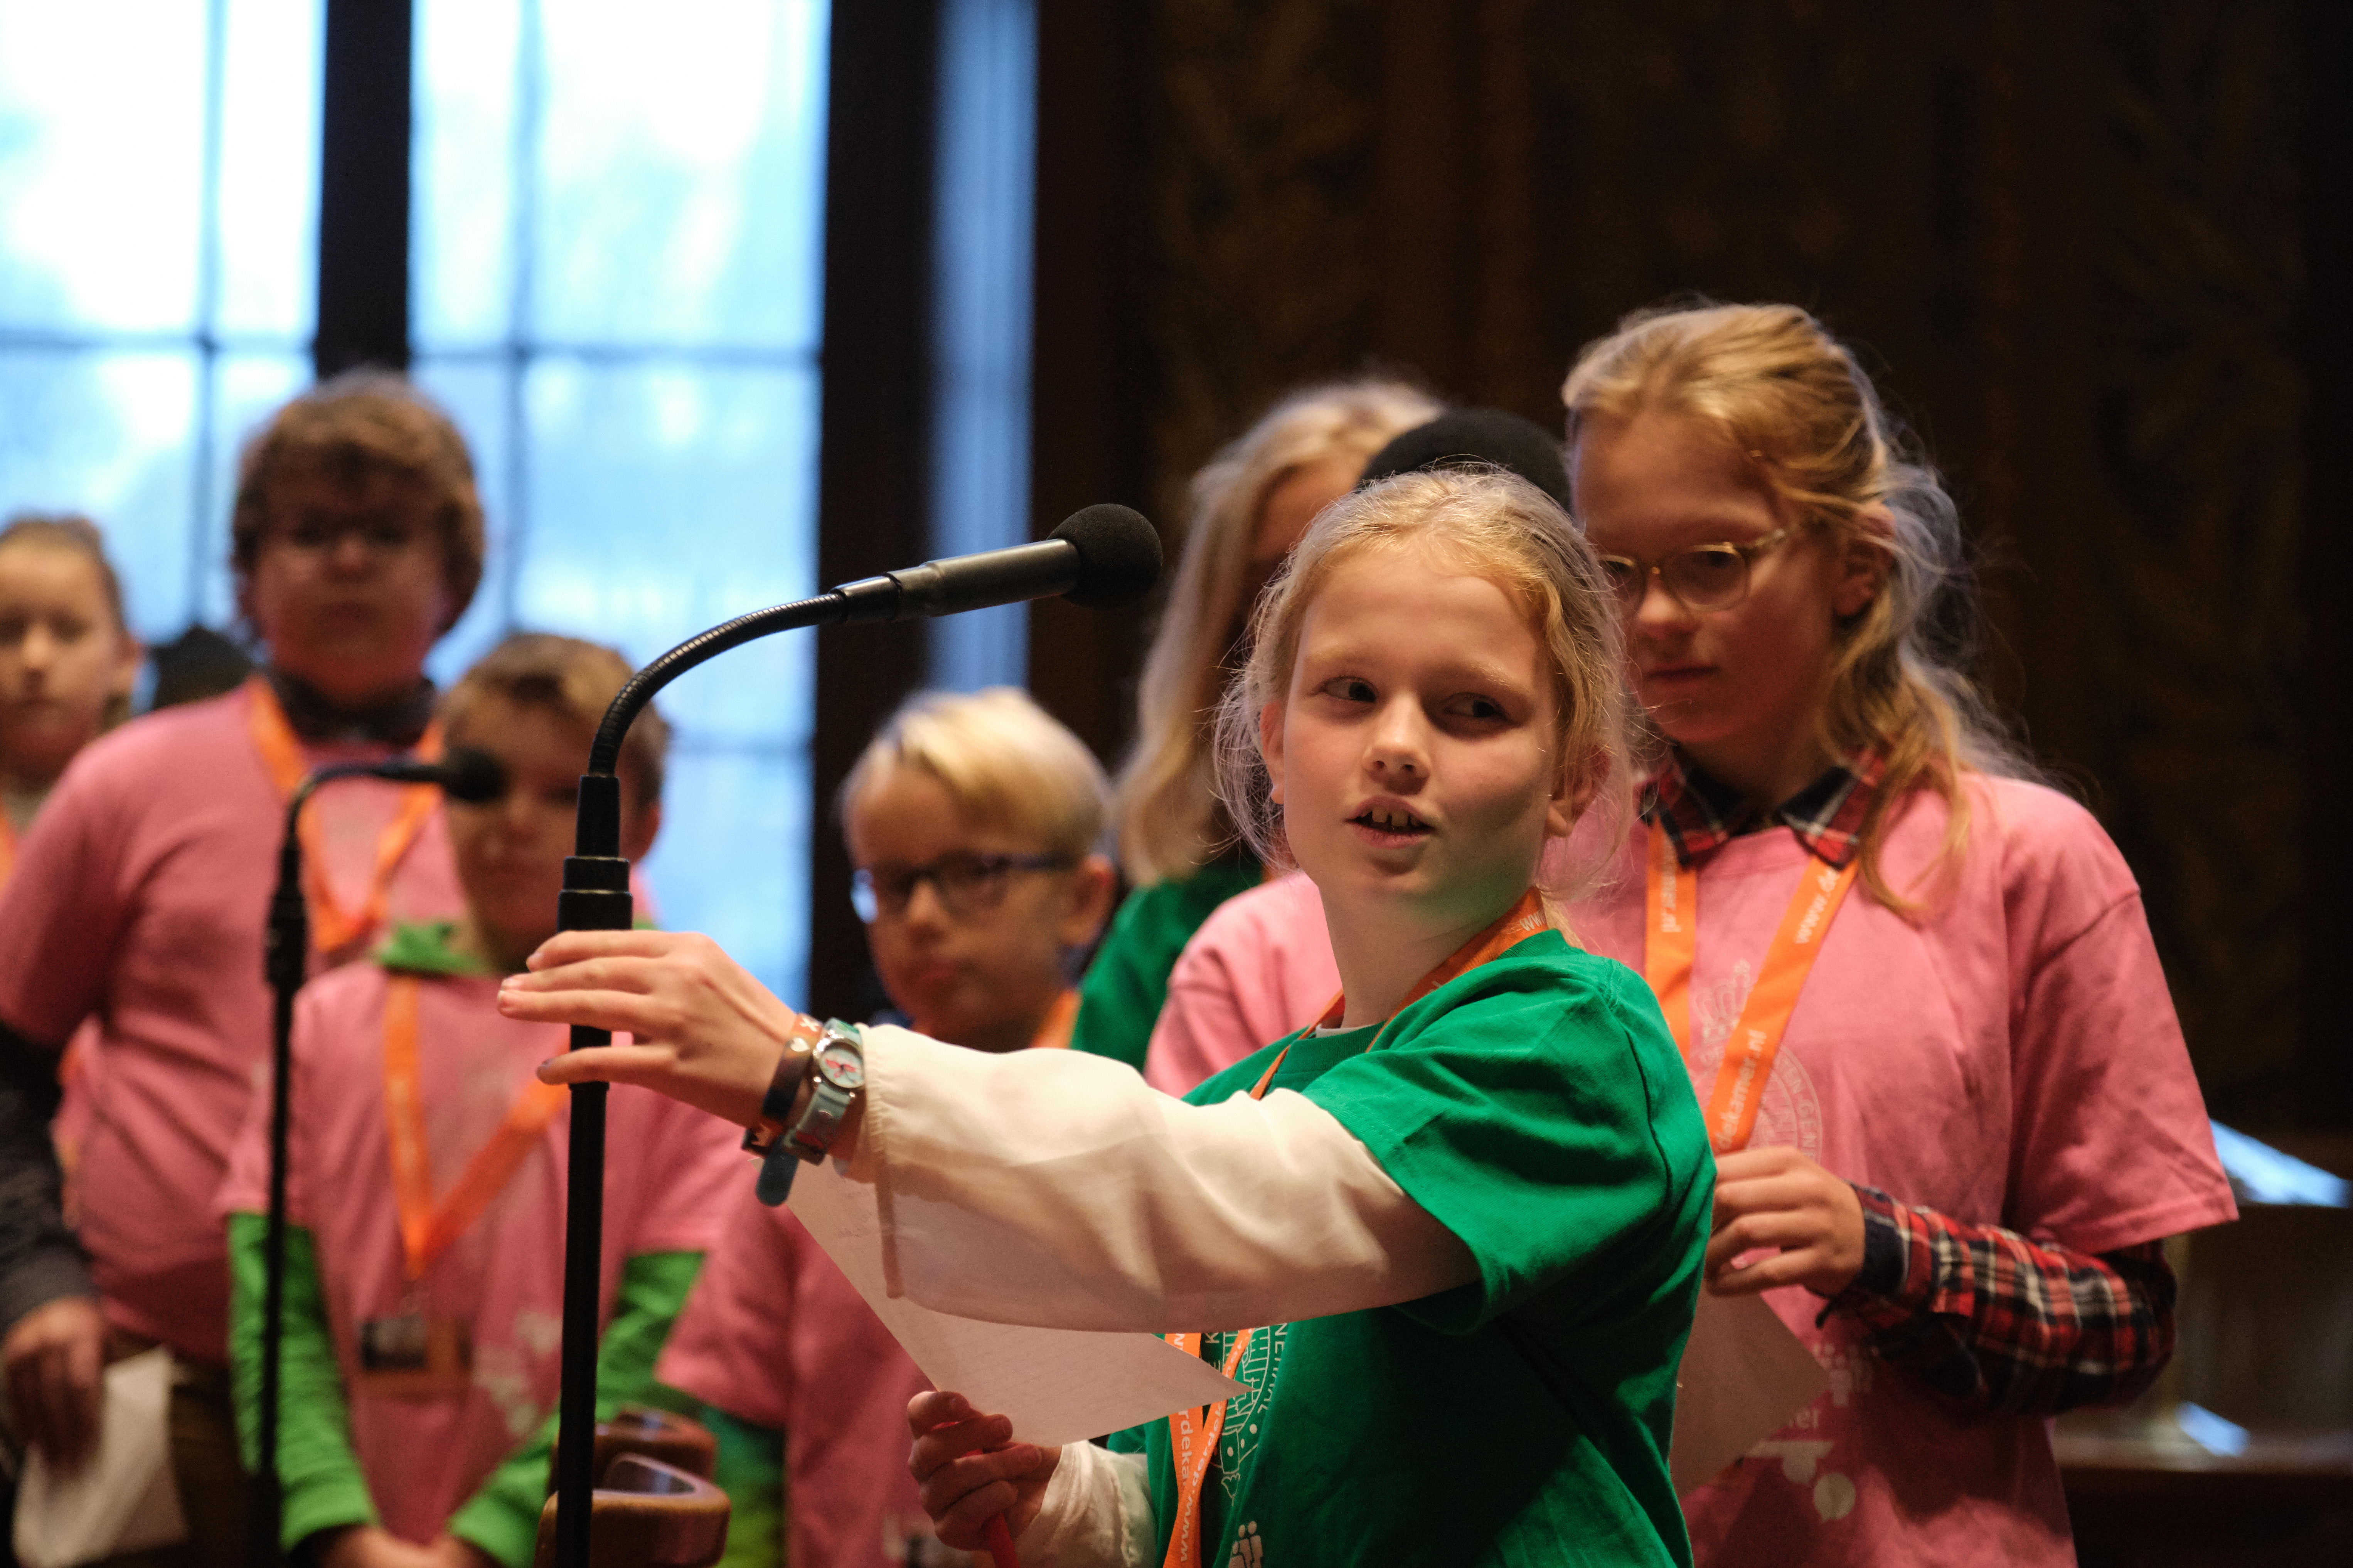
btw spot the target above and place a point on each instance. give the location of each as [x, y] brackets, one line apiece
[697, 1162]
[2112, 1145]
[732, 1345]
[65, 907]
[1259, 968]
[245, 1188]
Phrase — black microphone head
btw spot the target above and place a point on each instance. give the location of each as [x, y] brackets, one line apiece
[1119, 556]
[472, 776]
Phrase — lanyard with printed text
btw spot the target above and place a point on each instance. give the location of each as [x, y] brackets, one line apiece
[1671, 945]
[333, 927]
[1194, 1432]
[427, 1229]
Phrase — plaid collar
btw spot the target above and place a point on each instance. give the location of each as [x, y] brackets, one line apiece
[1700, 813]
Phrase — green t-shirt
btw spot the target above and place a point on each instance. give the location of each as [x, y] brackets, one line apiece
[1536, 1107]
[1119, 1000]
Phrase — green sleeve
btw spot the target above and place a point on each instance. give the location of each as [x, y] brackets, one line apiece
[1120, 999]
[751, 1471]
[502, 1517]
[319, 1473]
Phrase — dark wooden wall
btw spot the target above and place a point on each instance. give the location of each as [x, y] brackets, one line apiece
[2095, 252]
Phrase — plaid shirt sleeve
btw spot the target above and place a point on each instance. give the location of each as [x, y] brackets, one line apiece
[1998, 1323]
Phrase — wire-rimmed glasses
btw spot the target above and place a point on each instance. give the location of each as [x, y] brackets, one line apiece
[1702, 577]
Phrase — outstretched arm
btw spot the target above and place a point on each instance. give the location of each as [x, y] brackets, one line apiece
[1044, 1187]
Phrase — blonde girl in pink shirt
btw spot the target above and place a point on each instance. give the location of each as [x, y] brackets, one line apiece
[1953, 1174]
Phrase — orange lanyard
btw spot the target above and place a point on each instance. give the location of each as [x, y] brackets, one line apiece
[333, 927]
[1054, 1034]
[427, 1229]
[1194, 1433]
[8, 849]
[1671, 945]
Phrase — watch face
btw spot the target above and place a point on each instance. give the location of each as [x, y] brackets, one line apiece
[843, 1065]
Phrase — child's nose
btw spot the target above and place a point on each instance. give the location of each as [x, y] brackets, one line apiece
[1398, 745]
[1660, 610]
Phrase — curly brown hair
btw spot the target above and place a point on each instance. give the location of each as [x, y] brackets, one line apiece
[360, 425]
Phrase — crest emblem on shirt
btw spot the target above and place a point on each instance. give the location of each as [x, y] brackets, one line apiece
[1790, 1114]
[1246, 1412]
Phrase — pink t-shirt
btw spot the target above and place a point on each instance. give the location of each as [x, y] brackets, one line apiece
[668, 1170]
[1259, 968]
[138, 899]
[2008, 1056]
[774, 1335]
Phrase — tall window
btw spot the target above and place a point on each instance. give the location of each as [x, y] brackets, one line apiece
[158, 206]
[615, 261]
[614, 286]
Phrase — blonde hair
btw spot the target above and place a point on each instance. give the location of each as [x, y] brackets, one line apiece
[1005, 762]
[1498, 526]
[363, 424]
[1166, 805]
[571, 678]
[1791, 398]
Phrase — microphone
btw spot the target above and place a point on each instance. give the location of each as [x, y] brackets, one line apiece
[1100, 558]
[464, 774]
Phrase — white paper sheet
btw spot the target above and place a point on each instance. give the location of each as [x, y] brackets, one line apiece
[1744, 1374]
[1059, 1386]
[124, 1499]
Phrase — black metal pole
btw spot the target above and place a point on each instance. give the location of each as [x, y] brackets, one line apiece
[595, 896]
[286, 959]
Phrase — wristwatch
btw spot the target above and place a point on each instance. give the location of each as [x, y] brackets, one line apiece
[828, 1084]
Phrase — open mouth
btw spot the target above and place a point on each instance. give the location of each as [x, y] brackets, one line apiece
[1390, 821]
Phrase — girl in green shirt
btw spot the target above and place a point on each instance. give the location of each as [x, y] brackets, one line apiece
[1448, 1240]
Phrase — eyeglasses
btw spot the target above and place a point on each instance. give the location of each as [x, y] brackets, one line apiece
[1703, 577]
[967, 885]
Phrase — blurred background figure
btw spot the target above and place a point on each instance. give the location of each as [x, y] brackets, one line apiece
[68, 660]
[426, 1176]
[356, 541]
[973, 822]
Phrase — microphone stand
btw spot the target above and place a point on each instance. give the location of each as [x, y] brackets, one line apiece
[595, 896]
[1102, 556]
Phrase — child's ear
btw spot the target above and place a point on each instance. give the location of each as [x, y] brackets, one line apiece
[638, 828]
[1270, 748]
[124, 680]
[1863, 569]
[1573, 791]
[1093, 884]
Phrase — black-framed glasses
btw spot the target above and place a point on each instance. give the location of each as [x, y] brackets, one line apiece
[967, 885]
[1703, 577]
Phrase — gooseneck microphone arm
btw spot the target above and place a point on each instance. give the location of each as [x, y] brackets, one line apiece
[286, 962]
[1101, 557]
